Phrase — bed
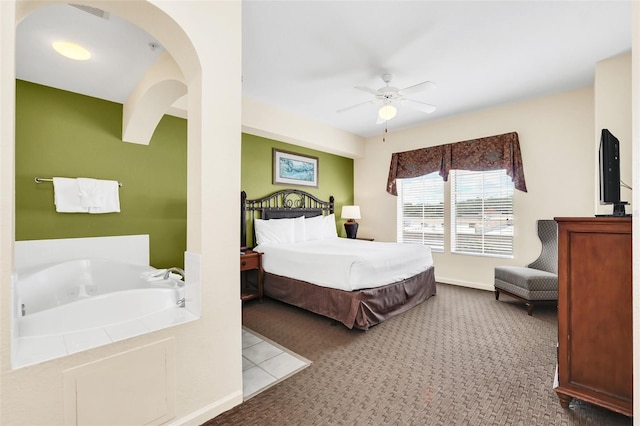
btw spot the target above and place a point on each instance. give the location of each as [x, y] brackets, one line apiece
[354, 282]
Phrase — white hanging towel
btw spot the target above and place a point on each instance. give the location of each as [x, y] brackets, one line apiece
[105, 197]
[66, 196]
[89, 197]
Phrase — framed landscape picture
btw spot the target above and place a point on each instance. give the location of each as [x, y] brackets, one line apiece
[294, 169]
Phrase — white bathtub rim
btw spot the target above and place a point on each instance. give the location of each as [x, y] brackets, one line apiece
[55, 285]
[104, 327]
[172, 296]
[26, 271]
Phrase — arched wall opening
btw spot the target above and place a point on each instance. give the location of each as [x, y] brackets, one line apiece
[80, 245]
[198, 35]
[173, 38]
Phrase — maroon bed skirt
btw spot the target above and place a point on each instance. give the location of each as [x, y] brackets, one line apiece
[360, 309]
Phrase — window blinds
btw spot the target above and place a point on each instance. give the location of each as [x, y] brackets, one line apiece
[421, 211]
[482, 213]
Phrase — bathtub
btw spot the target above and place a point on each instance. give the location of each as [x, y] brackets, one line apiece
[74, 294]
[85, 294]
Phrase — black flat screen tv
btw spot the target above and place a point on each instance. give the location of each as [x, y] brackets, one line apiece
[609, 155]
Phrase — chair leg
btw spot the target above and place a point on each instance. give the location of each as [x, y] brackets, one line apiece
[527, 302]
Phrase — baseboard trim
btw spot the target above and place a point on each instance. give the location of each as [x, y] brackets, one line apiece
[210, 411]
[461, 283]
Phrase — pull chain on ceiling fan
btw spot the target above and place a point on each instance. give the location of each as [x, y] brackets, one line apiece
[390, 96]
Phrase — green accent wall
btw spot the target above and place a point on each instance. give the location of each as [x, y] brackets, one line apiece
[335, 173]
[59, 133]
[64, 134]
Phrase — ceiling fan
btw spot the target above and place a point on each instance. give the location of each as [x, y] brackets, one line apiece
[389, 96]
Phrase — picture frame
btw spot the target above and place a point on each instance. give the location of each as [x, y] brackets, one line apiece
[294, 169]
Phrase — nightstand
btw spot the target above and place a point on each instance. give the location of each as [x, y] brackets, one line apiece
[250, 260]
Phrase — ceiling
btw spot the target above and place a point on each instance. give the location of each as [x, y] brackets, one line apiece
[307, 56]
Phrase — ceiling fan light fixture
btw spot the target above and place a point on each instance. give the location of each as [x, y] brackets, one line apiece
[387, 112]
[71, 50]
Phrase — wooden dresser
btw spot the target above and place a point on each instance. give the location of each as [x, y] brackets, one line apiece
[595, 357]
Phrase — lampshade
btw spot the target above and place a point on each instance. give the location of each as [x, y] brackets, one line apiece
[350, 212]
[387, 112]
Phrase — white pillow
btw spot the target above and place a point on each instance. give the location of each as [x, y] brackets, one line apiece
[274, 231]
[314, 228]
[299, 229]
[320, 227]
[330, 226]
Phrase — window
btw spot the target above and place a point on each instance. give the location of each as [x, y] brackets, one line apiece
[482, 213]
[421, 211]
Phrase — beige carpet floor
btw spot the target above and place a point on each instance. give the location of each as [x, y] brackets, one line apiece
[460, 358]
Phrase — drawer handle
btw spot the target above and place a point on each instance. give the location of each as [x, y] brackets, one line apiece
[244, 263]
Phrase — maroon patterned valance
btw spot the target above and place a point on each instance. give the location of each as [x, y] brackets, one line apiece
[490, 153]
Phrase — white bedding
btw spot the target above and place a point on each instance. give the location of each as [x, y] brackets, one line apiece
[345, 264]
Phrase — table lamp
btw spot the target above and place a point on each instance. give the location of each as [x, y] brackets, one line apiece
[351, 226]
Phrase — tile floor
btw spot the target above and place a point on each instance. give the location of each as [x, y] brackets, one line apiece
[265, 363]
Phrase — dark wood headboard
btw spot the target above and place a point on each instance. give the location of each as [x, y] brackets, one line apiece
[287, 203]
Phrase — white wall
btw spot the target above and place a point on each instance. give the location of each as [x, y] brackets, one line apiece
[635, 125]
[205, 40]
[556, 140]
[612, 90]
[559, 138]
[272, 122]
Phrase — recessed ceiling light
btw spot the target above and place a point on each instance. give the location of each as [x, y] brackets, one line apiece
[71, 50]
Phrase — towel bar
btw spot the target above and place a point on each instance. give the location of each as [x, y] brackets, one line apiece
[40, 180]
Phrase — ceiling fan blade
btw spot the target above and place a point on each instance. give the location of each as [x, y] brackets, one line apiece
[368, 90]
[418, 87]
[420, 106]
[356, 105]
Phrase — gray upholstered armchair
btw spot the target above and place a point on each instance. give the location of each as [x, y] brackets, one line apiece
[538, 281]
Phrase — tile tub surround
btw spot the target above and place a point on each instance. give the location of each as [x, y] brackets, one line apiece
[265, 363]
[32, 350]
[37, 341]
